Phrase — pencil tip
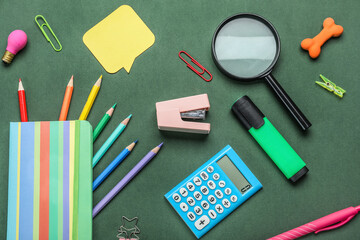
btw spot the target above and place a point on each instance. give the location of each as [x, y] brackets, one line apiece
[71, 82]
[160, 145]
[98, 82]
[129, 116]
[110, 111]
[136, 141]
[21, 87]
[114, 106]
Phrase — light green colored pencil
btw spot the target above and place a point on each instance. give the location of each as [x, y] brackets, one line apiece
[104, 120]
[114, 135]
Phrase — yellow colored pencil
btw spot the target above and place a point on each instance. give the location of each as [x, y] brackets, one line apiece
[90, 100]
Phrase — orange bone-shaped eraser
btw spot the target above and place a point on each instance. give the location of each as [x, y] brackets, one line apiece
[330, 29]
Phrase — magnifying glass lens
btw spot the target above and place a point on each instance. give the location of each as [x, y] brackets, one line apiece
[245, 47]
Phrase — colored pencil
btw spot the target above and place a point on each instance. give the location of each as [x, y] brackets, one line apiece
[114, 135]
[22, 102]
[111, 167]
[93, 93]
[104, 120]
[67, 100]
[118, 187]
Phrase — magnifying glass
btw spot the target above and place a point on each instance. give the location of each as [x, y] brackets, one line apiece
[246, 47]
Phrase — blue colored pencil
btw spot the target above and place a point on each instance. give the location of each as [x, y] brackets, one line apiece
[124, 153]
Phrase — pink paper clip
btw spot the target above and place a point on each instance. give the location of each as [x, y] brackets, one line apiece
[197, 64]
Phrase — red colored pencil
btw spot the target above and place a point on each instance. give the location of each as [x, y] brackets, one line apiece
[22, 102]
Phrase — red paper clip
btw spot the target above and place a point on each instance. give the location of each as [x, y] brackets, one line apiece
[197, 64]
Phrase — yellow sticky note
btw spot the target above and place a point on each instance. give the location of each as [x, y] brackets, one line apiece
[118, 39]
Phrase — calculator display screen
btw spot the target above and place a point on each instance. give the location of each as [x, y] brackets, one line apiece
[234, 174]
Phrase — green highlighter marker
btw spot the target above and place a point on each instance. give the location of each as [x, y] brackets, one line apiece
[278, 149]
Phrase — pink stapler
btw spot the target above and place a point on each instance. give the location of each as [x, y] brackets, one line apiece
[170, 114]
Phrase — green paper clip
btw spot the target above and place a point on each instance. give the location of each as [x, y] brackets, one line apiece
[45, 24]
[330, 86]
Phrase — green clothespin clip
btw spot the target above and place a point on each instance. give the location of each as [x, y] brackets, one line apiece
[330, 86]
[45, 24]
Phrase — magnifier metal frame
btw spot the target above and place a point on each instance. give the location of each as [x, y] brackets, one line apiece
[271, 28]
[266, 74]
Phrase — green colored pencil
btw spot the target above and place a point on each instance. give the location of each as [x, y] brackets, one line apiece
[104, 120]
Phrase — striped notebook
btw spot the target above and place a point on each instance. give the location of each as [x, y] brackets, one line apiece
[50, 181]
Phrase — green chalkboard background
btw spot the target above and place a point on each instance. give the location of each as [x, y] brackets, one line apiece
[330, 147]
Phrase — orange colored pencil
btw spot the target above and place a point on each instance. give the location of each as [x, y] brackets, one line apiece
[67, 100]
[22, 102]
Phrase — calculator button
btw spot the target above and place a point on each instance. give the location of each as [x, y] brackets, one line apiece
[190, 186]
[211, 184]
[212, 214]
[198, 210]
[184, 207]
[212, 199]
[197, 195]
[216, 176]
[204, 190]
[219, 208]
[222, 183]
[202, 222]
[197, 181]
[210, 169]
[183, 192]
[190, 201]
[205, 205]
[226, 203]
[233, 198]
[219, 194]
[228, 191]
[176, 197]
[191, 216]
[204, 176]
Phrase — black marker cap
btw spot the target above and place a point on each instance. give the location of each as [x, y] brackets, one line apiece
[248, 113]
[299, 174]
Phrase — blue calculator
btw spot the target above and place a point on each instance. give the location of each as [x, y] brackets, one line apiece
[213, 191]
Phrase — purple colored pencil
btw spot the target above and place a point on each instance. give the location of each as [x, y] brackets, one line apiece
[140, 165]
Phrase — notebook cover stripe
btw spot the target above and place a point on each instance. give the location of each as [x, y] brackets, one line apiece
[36, 180]
[53, 185]
[71, 177]
[44, 181]
[85, 189]
[66, 181]
[12, 190]
[26, 181]
[18, 182]
[60, 181]
[76, 180]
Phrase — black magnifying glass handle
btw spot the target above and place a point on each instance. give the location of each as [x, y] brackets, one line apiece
[289, 104]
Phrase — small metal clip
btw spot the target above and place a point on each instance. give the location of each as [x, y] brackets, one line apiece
[196, 114]
[45, 24]
[197, 64]
[330, 86]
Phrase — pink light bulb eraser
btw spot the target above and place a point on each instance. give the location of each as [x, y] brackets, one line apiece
[16, 41]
